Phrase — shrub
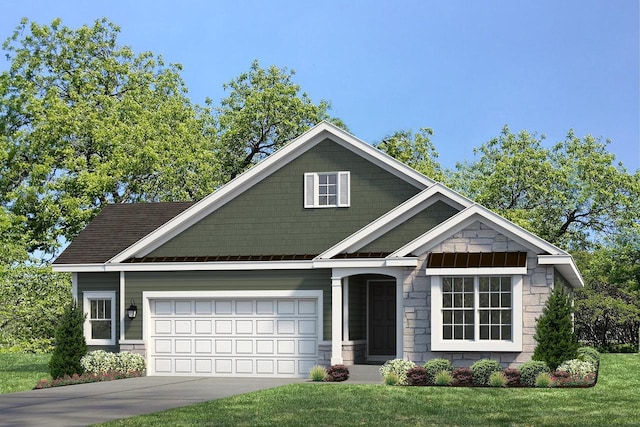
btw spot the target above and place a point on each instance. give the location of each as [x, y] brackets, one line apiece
[317, 373]
[462, 377]
[85, 378]
[391, 378]
[70, 344]
[99, 361]
[497, 379]
[544, 380]
[564, 379]
[482, 370]
[577, 368]
[589, 354]
[530, 370]
[512, 376]
[554, 331]
[337, 373]
[435, 366]
[417, 376]
[443, 378]
[399, 367]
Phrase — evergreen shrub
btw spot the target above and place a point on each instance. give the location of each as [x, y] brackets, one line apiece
[530, 370]
[70, 345]
[482, 370]
[434, 366]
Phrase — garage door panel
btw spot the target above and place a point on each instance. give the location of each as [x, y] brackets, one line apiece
[234, 336]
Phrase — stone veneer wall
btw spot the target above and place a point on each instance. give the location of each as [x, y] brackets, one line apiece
[134, 348]
[417, 299]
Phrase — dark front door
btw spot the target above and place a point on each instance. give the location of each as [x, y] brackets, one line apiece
[382, 318]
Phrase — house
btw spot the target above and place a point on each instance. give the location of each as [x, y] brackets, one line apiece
[326, 252]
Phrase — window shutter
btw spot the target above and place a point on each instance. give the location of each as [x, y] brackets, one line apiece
[309, 190]
[344, 196]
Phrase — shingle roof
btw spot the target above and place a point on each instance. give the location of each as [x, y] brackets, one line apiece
[116, 228]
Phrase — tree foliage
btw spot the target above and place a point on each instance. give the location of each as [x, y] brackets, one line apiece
[265, 109]
[556, 341]
[414, 150]
[84, 121]
[572, 194]
[70, 345]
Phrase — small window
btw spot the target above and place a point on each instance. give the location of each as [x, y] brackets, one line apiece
[326, 189]
[100, 323]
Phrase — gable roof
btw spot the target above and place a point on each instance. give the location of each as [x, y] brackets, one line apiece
[101, 241]
[264, 168]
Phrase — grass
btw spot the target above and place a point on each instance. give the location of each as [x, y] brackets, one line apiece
[20, 372]
[613, 401]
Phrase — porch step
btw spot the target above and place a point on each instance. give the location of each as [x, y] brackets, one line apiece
[364, 374]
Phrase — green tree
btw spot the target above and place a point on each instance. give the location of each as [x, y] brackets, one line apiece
[265, 109]
[414, 150]
[572, 194]
[84, 121]
[556, 341]
[70, 345]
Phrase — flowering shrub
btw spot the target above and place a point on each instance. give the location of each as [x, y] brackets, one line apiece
[417, 376]
[337, 373]
[101, 361]
[462, 377]
[86, 378]
[399, 367]
[577, 368]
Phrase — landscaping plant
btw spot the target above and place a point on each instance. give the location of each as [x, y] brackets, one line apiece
[554, 331]
[70, 345]
[100, 361]
[497, 379]
[482, 370]
[544, 380]
[512, 376]
[399, 367]
[417, 376]
[435, 366]
[443, 378]
[337, 373]
[317, 373]
[530, 370]
[462, 377]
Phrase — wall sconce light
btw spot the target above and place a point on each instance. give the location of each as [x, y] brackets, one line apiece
[132, 311]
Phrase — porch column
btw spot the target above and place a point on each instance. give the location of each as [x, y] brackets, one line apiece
[336, 320]
[399, 319]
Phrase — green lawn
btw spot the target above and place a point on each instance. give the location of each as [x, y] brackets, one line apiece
[20, 372]
[613, 401]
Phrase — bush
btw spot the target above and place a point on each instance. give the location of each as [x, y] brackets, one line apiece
[497, 379]
[544, 380]
[434, 367]
[70, 344]
[512, 376]
[554, 331]
[577, 368]
[417, 376]
[399, 367]
[462, 377]
[589, 354]
[530, 370]
[317, 373]
[482, 370]
[443, 378]
[337, 373]
[100, 361]
[391, 378]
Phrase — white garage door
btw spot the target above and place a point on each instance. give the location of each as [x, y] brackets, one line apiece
[233, 336]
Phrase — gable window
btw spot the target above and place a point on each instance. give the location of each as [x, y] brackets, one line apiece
[326, 189]
[100, 323]
[476, 312]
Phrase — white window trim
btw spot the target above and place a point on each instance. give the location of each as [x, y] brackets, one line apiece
[439, 344]
[343, 191]
[90, 295]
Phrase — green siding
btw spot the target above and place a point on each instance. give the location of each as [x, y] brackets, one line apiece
[101, 282]
[270, 219]
[412, 228]
[138, 282]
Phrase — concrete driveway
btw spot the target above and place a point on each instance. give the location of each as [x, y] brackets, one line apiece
[83, 404]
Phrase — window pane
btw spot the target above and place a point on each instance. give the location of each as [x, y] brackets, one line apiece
[506, 300]
[468, 316]
[100, 314]
[506, 284]
[468, 332]
[484, 300]
[447, 317]
[333, 200]
[458, 333]
[468, 284]
[332, 179]
[457, 317]
[107, 309]
[495, 332]
[506, 332]
[468, 300]
[484, 317]
[446, 300]
[101, 329]
[495, 317]
[506, 317]
[94, 309]
[457, 300]
[484, 332]
[495, 283]
[446, 284]
[484, 284]
[447, 332]
[495, 300]
[457, 284]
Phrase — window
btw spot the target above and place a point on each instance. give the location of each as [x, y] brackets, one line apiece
[476, 313]
[100, 323]
[326, 189]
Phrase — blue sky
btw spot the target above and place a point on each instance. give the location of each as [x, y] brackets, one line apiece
[463, 68]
